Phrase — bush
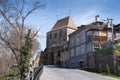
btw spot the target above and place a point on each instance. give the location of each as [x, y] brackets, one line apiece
[100, 68]
[107, 69]
[118, 70]
[103, 52]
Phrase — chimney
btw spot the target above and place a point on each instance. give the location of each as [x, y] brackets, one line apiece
[96, 18]
[109, 22]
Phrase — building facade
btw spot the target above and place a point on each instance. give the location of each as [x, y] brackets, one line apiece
[69, 46]
[77, 48]
[84, 41]
[57, 41]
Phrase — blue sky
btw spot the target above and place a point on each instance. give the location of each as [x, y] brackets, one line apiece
[81, 11]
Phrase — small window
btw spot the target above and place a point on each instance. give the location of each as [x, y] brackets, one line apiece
[95, 32]
[60, 33]
[50, 36]
[72, 52]
[96, 45]
[55, 35]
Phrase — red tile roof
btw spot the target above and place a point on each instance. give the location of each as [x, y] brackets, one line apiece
[63, 23]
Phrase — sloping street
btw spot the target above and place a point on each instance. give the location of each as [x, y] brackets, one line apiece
[53, 73]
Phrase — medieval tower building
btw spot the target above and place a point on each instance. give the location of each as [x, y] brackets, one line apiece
[57, 41]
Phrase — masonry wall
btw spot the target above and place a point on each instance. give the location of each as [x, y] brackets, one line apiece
[91, 62]
[55, 45]
[104, 60]
[56, 38]
[78, 49]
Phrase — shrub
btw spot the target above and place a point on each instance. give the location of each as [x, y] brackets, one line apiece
[118, 70]
[107, 69]
[100, 68]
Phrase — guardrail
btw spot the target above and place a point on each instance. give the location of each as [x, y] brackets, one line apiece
[38, 72]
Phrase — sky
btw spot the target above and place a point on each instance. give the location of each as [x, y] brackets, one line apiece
[81, 12]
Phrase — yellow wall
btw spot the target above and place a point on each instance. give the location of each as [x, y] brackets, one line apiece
[102, 33]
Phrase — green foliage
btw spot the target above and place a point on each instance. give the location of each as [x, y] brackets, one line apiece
[13, 74]
[100, 68]
[103, 52]
[118, 70]
[26, 54]
[117, 50]
[107, 69]
[2, 77]
[112, 75]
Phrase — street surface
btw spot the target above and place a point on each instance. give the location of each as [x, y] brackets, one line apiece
[51, 72]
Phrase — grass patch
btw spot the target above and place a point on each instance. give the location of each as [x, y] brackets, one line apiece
[110, 75]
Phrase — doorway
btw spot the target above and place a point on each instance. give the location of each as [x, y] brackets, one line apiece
[52, 59]
[81, 64]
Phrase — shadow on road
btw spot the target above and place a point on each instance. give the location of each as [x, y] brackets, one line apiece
[51, 66]
[55, 66]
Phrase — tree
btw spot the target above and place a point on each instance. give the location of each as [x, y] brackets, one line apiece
[100, 68]
[117, 50]
[14, 34]
[107, 69]
[118, 70]
[5, 62]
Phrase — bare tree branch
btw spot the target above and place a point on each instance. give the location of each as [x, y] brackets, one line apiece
[15, 35]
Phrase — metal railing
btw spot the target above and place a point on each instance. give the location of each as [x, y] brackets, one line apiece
[37, 73]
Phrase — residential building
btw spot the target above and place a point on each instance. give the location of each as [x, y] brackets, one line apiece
[73, 47]
[42, 58]
[86, 40]
[57, 41]
[34, 61]
[117, 32]
[77, 48]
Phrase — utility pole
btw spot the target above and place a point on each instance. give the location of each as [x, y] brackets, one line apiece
[114, 56]
[110, 25]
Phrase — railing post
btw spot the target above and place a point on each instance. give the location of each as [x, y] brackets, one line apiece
[38, 72]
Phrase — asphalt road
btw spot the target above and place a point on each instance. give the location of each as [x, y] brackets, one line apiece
[53, 73]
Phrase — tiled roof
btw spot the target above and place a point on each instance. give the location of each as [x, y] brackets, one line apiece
[65, 22]
[97, 25]
[117, 26]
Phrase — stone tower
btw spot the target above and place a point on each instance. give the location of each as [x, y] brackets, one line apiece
[57, 39]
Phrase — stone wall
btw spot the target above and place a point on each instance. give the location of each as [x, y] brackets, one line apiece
[103, 61]
[91, 62]
[95, 61]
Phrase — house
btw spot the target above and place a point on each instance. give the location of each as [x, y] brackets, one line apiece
[57, 41]
[34, 62]
[117, 32]
[77, 48]
[42, 58]
[83, 42]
